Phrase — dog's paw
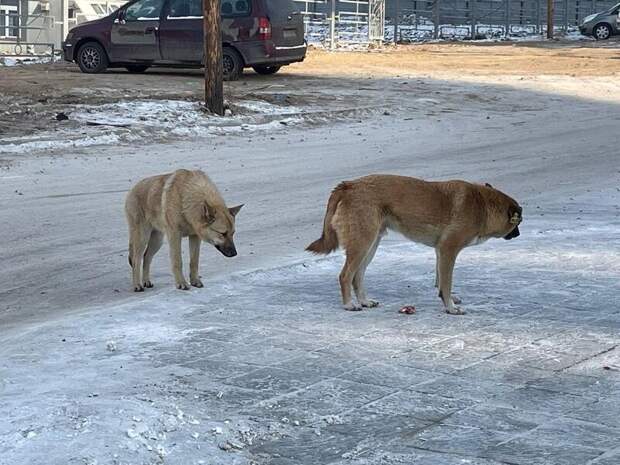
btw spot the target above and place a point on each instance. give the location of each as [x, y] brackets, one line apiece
[351, 307]
[138, 288]
[148, 284]
[369, 303]
[455, 311]
[183, 286]
[197, 283]
[456, 299]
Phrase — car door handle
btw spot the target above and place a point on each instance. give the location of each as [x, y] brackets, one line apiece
[150, 30]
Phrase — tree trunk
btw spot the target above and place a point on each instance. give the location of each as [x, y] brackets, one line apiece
[214, 85]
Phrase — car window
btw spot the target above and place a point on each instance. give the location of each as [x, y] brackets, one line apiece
[144, 9]
[185, 8]
[235, 8]
[280, 9]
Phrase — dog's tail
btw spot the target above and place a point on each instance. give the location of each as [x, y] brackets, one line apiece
[329, 239]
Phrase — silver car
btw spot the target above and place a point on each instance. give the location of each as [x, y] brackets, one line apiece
[602, 25]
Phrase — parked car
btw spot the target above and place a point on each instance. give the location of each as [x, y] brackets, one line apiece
[602, 25]
[262, 34]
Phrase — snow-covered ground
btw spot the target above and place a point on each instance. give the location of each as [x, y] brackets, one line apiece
[139, 120]
[16, 60]
[262, 366]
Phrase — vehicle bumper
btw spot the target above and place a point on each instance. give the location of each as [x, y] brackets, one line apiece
[586, 29]
[268, 53]
[296, 52]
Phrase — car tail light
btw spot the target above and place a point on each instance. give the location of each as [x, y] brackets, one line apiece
[264, 29]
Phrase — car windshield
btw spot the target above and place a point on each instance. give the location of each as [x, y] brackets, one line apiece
[613, 8]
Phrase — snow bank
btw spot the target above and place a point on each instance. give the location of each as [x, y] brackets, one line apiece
[16, 60]
[127, 121]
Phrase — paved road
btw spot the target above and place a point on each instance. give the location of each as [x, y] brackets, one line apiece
[264, 368]
[63, 227]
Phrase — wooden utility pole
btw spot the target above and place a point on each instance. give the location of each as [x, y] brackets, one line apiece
[549, 19]
[214, 85]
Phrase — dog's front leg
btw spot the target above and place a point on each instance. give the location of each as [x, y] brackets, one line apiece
[174, 240]
[446, 259]
[456, 299]
[194, 259]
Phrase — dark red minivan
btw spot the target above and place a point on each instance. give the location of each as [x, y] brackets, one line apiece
[262, 34]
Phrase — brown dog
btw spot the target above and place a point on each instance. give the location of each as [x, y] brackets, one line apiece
[448, 216]
[179, 204]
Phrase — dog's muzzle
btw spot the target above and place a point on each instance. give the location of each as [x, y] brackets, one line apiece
[227, 251]
[512, 234]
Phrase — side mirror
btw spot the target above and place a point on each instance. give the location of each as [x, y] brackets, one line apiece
[120, 16]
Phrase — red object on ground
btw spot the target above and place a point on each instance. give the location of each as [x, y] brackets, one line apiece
[407, 310]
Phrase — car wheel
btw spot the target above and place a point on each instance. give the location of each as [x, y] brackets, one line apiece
[137, 68]
[266, 70]
[602, 31]
[92, 58]
[232, 64]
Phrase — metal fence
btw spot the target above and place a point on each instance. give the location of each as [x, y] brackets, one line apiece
[33, 35]
[335, 22]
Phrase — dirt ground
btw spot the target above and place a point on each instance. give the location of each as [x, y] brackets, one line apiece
[32, 96]
[510, 59]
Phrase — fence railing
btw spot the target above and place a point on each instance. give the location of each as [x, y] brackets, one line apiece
[344, 21]
[32, 35]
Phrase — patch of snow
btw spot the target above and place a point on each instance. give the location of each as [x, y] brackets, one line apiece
[16, 60]
[266, 108]
[128, 121]
[54, 141]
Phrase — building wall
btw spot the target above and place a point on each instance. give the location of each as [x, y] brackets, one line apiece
[42, 22]
[93, 9]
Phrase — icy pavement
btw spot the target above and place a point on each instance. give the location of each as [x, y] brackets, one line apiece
[262, 366]
[265, 368]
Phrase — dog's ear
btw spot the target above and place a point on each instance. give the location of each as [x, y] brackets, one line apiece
[234, 210]
[488, 185]
[209, 213]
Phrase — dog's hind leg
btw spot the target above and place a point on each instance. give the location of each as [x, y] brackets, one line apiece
[358, 279]
[153, 247]
[357, 249]
[138, 238]
[194, 259]
[447, 258]
[351, 265]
